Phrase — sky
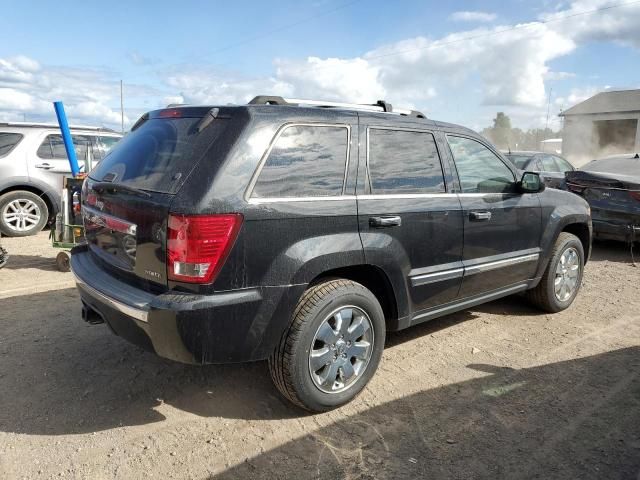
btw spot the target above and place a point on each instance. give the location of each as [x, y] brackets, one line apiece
[459, 62]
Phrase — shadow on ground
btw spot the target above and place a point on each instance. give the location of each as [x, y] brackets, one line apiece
[17, 262]
[573, 419]
[614, 251]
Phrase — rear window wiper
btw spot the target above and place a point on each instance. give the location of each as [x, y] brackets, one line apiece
[115, 187]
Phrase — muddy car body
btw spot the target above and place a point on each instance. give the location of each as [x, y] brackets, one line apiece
[302, 233]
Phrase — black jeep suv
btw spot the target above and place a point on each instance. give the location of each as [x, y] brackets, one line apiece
[302, 233]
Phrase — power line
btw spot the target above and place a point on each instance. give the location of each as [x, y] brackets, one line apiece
[283, 27]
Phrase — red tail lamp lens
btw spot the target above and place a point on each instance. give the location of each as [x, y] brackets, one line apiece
[198, 245]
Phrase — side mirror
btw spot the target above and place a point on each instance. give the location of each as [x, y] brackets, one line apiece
[531, 183]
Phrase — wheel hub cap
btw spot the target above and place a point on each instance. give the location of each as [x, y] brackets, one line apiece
[567, 274]
[341, 349]
[21, 215]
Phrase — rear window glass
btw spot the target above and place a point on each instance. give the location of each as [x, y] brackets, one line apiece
[8, 141]
[519, 160]
[404, 162]
[306, 161]
[158, 155]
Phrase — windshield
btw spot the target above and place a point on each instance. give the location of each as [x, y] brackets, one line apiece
[519, 160]
[156, 156]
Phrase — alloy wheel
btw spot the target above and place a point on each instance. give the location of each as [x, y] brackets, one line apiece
[21, 215]
[567, 274]
[341, 349]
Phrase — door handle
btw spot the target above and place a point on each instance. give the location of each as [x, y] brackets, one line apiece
[479, 216]
[382, 222]
[44, 166]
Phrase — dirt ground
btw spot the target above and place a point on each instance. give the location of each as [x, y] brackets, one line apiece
[499, 391]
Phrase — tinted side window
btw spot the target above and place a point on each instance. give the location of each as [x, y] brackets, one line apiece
[8, 141]
[479, 169]
[404, 162]
[52, 147]
[306, 161]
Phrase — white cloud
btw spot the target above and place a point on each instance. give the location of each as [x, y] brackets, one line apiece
[558, 75]
[206, 86]
[332, 79]
[467, 16]
[604, 24]
[506, 65]
[511, 64]
[90, 95]
[575, 96]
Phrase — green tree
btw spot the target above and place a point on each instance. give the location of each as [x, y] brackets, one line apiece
[505, 137]
[501, 133]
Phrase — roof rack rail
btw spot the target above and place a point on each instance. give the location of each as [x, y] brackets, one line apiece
[379, 106]
[55, 125]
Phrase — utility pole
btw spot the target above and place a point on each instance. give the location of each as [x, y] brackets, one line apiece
[122, 108]
[546, 125]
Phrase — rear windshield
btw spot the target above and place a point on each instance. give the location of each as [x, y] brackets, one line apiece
[8, 141]
[519, 160]
[158, 155]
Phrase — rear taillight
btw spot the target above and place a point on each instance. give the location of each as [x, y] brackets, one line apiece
[635, 195]
[198, 245]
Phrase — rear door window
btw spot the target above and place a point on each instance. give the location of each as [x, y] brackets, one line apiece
[403, 162]
[52, 147]
[305, 161]
[8, 141]
[159, 154]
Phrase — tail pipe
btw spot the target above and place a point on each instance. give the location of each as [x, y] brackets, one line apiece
[90, 316]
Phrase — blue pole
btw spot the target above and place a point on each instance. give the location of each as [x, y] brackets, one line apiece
[66, 137]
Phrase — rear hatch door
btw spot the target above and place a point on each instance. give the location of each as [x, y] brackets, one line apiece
[127, 197]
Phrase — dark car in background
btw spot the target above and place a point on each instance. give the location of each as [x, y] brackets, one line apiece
[612, 187]
[301, 233]
[551, 167]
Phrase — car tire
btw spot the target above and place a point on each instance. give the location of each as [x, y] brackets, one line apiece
[33, 209]
[566, 268]
[325, 331]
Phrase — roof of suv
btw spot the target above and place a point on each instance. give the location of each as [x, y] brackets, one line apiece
[380, 112]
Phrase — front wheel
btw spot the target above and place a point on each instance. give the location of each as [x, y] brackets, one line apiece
[561, 280]
[332, 348]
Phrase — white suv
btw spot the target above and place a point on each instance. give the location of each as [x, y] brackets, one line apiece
[33, 162]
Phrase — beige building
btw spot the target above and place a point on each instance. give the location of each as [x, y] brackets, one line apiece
[605, 124]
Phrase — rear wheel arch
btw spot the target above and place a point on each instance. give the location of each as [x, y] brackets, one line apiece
[376, 280]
